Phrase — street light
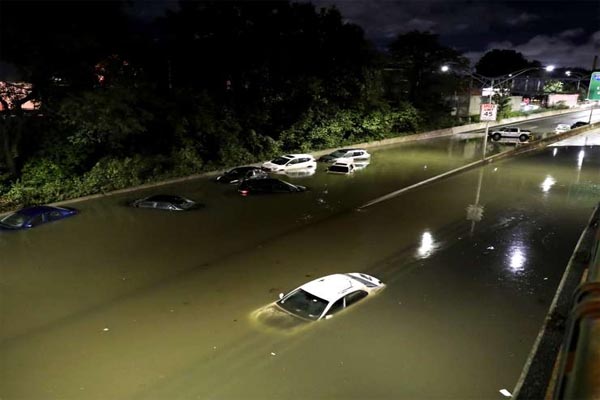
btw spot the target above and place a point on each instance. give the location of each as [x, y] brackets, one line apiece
[579, 77]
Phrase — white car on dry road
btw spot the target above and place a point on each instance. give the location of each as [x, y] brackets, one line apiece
[511, 132]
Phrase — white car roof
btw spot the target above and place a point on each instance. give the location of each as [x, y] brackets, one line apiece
[332, 287]
[297, 155]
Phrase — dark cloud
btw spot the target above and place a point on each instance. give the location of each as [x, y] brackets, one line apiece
[545, 30]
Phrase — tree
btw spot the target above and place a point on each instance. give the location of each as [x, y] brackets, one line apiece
[417, 58]
[553, 86]
[502, 62]
[13, 120]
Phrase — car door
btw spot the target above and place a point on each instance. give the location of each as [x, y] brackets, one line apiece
[34, 221]
[354, 297]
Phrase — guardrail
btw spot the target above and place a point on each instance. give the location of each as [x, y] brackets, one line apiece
[578, 373]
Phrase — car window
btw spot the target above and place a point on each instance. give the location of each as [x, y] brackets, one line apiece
[355, 296]
[338, 168]
[303, 304]
[37, 220]
[53, 215]
[163, 206]
[337, 306]
[14, 220]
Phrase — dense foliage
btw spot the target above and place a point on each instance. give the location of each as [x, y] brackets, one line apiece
[213, 84]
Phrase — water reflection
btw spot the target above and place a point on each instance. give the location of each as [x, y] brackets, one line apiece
[428, 245]
[475, 211]
[517, 258]
[580, 158]
[547, 184]
[299, 173]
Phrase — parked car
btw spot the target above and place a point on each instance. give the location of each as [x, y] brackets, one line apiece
[33, 216]
[290, 162]
[238, 174]
[326, 296]
[352, 154]
[268, 185]
[579, 124]
[341, 166]
[511, 132]
[561, 128]
[166, 202]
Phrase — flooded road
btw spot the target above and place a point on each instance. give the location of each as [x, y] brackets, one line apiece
[138, 304]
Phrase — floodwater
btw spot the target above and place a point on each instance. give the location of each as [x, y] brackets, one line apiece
[121, 303]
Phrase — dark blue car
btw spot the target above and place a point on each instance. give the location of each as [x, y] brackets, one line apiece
[33, 216]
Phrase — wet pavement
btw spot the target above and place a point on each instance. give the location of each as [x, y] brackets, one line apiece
[126, 303]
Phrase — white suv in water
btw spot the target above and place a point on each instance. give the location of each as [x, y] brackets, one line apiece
[290, 162]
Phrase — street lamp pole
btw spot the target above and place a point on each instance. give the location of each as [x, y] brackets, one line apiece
[487, 123]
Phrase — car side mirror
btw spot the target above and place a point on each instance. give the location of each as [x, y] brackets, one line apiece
[329, 316]
[281, 295]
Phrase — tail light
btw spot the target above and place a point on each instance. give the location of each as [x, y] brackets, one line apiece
[244, 192]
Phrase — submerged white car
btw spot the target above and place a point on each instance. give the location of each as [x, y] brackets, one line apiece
[352, 154]
[343, 166]
[323, 297]
[290, 162]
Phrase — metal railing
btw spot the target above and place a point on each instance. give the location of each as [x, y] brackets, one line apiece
[578, 372]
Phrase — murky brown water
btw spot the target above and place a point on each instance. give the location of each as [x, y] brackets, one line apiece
[135, 304]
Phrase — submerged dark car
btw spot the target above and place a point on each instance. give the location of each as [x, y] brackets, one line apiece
[240, 174]
[268, 185]
[578, 124]
[166, 202]
[33, 216]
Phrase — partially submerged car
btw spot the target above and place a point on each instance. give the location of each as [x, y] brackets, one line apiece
[351, 154]
[579, 124]
[343, 166]
[268, 185]
[290, 162]
[166, 202]
[239, 174]
[326, 296]
[30, 217]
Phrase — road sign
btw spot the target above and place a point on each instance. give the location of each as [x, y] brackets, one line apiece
[594, 92]
[488, 112]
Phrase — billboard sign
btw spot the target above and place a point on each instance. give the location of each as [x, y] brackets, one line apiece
[594, 91]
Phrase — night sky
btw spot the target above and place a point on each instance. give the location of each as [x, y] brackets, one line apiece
[563, 33]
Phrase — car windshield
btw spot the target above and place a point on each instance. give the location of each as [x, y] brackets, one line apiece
[238, 171]
[14, 220]
[339, 168]
[338, 153]
[303, 304]
[280, 160]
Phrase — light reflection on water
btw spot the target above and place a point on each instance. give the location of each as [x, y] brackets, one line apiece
[517, 258]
